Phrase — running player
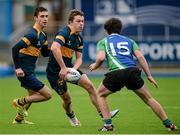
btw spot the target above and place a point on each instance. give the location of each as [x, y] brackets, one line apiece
[68, 41]
[25, 54]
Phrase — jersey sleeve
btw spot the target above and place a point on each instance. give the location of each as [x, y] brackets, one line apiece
[101, 45]
[23, 43]
[29, 39]
[60, 37]
[134, 46]
[15, 52]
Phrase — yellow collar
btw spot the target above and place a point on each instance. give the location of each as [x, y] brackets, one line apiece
[37, 27]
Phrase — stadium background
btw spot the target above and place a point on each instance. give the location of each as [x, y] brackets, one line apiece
[153, 24]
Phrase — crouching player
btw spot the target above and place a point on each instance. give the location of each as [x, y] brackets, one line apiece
[119, 51]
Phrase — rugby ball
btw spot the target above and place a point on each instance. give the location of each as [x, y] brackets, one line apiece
[73, 75]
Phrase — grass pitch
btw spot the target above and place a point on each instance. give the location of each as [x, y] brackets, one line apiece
[49, 117]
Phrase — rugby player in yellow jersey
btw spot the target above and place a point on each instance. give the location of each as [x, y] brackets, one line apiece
[68, 41]
[25, 54]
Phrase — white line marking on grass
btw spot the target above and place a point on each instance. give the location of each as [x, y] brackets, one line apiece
[169, 107]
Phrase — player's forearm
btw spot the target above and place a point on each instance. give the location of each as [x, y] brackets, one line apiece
[144, 66]
[100, 59]
[98, 63]
[77, 63]
[58, 56]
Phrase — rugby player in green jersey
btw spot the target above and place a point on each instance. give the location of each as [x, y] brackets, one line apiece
[119, 51]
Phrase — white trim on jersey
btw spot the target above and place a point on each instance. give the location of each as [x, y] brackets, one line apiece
[112, 58]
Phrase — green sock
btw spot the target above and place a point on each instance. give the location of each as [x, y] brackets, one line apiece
[167, 122]
[108, 122]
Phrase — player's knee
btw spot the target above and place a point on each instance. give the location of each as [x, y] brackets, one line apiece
[48, 95]
[89, 87]
[100, 94]
[103, 93]
[86, 84]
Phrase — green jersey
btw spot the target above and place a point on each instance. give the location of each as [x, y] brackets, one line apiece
[119, 51]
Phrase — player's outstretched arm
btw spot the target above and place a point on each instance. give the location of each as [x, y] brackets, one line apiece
[145, 66]
[99, 60]
[153, 81]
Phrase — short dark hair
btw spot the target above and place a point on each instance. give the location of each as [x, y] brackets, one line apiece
[113, 25]
[74, 13]
[39, 9]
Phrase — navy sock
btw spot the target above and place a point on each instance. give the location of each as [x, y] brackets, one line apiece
[70, 115]
[100, 114]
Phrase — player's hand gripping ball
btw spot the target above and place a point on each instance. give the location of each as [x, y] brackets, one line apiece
[73, 75]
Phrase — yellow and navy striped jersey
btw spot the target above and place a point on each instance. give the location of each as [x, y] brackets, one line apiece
[27, 50]
[69, 42]
[34, 40]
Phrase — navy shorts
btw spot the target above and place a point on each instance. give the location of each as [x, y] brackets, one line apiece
[57, 84]
[30, 82]
[130, 77]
